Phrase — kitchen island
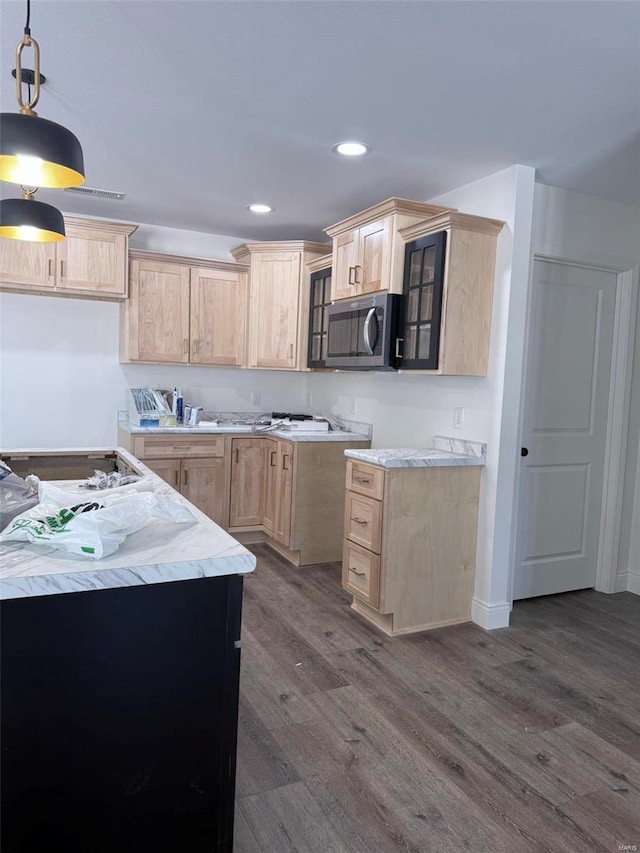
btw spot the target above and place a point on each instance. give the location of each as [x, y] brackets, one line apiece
[120, 687]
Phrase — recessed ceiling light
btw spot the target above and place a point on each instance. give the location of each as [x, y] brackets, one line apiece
[260, 208]
[351, 149]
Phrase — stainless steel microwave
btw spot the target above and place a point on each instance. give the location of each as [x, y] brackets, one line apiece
[362, 332]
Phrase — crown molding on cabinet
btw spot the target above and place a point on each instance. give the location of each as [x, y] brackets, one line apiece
[385, 208]
[451, 219]
[319, 263]
[279, 246]
[186, 260]
[101, 225]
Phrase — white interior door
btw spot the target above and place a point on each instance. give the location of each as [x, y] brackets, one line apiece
[565, 422]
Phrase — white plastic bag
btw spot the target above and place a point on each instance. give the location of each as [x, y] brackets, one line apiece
[94, 525]
[16, 495]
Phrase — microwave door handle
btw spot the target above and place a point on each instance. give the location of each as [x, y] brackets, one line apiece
[371, 315]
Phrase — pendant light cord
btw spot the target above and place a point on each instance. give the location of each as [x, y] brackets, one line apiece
[27, 32]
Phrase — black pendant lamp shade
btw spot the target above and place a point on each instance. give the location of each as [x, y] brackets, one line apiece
[26, 219]
[39, 152]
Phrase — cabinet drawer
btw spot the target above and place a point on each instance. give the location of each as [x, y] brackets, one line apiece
[172, 446]
[365, 479]
[363, 521]
[361, 573]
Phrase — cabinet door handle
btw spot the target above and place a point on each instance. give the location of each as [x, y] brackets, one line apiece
[50, 266]
[272, 459]
[398, 342]
[61, 269]
[176, 477]
[285, 467]
[185, 478]
[355, 274]
[351, 277]
[360, 521]
[237, 452]
[185, 346]
[360, 574]
[291, 351]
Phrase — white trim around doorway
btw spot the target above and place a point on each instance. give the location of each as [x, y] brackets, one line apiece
[607, 578]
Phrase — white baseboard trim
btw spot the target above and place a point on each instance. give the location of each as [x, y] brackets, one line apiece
[628, 581]
[490, 616]
[622, 582]
[633, 581]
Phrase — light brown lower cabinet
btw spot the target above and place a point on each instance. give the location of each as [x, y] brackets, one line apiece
[247, 482]
[299, 506]
[196, 466]
[284, 485]
[410, 544]
[287, 493]
[270, 485]
[201, 481]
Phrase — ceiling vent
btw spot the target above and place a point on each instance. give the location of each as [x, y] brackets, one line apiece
[94, 192]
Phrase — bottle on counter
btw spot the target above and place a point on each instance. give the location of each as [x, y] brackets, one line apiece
[179, 407]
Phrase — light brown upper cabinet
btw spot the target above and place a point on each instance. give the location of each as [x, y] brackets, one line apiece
[184, 310]
[368, 251]
[158, 312]
[449, 272]
[278, 301]
[218, 316]
[91, 262]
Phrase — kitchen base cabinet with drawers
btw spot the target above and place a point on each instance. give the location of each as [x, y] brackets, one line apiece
[410, 543]
[288, 494]
[197, 467]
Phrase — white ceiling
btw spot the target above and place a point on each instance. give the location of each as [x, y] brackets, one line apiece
[196, 109]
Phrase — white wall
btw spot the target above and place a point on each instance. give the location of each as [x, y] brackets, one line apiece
[60, 379]
[409, 410]
[585, 228]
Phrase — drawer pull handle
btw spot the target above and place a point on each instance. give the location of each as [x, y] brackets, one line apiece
[360, 521]
[362, 480]
[181, 447]
[360, 574]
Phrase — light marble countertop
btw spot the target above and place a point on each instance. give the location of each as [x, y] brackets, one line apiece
[445, 452]
[159, 553]
[289, 435]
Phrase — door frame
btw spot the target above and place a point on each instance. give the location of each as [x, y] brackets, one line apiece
[626, 305]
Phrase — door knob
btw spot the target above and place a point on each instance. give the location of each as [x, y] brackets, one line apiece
[524, 451]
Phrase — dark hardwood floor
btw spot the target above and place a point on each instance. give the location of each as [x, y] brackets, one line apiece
[523, 739]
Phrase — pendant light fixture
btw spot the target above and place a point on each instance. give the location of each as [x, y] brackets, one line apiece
[26, 219]
[35, 152]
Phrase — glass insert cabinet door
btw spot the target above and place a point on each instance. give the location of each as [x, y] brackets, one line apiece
[422, 298]
[320, 300]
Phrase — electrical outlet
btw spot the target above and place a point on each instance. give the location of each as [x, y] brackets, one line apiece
[458, 418]
[352, 405]
[309, 399]
[256, 398]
